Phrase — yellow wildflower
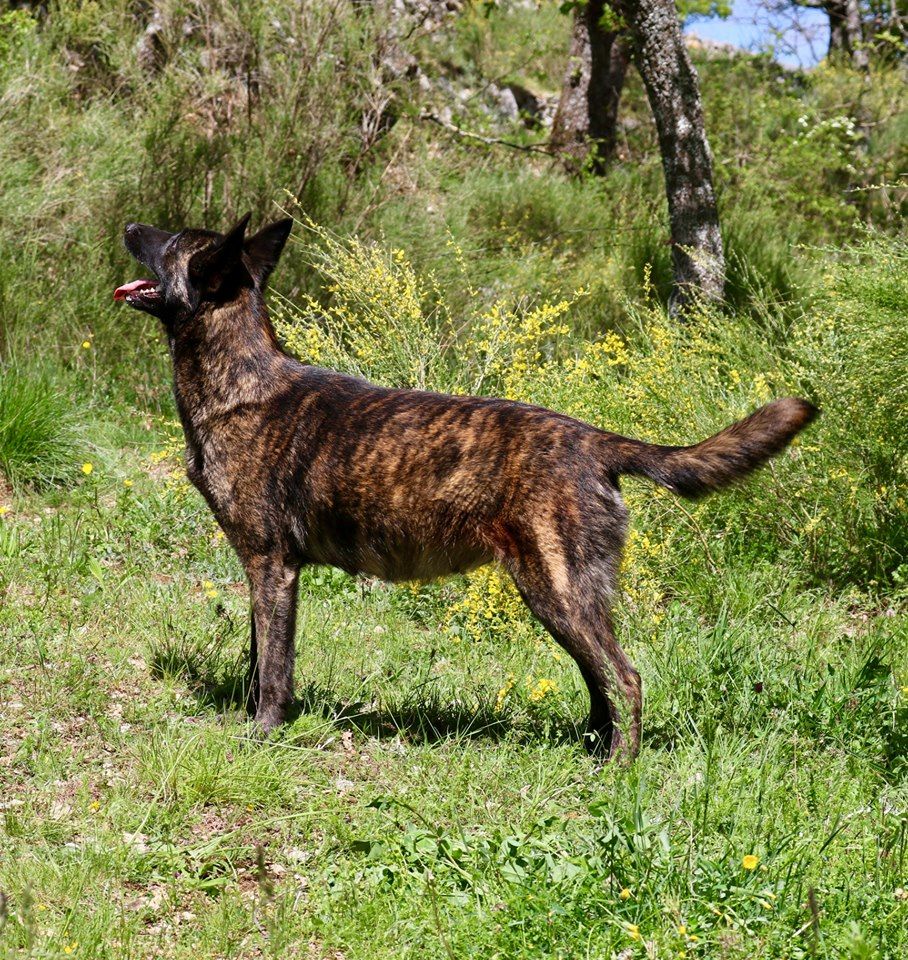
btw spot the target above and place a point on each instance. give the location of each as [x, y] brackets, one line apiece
[87, 468]
[541, 688]
[3, 511]
[503, 693]
[71, 947]
[634, 931]
[625, 894]
[750, 861]
[86, 344]
[682, 930]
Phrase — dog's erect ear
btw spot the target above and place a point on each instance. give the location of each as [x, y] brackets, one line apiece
[209, 268]
[263, 250]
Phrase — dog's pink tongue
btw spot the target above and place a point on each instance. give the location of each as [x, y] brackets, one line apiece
[121, 292]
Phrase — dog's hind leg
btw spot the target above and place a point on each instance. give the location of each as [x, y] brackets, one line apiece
[616, 696]
[583, 627]
[565, 564]
[564, 552]
[273, 584]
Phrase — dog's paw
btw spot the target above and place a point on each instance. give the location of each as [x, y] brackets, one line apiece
[268, 719]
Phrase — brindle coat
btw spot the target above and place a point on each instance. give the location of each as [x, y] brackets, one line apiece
[304, 465]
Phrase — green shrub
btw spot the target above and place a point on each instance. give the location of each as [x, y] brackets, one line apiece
[38, 438]
[853, 351]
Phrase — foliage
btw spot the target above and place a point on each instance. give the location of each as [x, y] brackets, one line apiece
[384, 322]
[38, 429]
[856, 351]
[91, 141]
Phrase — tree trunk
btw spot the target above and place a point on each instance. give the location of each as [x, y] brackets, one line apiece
[846, 33]
[673, 91]
[585, 124]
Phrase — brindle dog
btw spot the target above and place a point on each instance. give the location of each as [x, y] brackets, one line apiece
[304, 465]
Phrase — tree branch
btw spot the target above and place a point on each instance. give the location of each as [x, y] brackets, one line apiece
[488, 141]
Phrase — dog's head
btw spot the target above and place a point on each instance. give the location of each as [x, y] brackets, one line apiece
[197, 266]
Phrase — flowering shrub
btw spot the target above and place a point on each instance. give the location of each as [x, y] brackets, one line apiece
[376, 319]
[380, 320]
[488, 606]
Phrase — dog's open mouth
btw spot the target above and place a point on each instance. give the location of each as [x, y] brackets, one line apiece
[137, 291]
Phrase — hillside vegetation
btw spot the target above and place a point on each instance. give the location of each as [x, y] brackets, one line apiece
[429, 798]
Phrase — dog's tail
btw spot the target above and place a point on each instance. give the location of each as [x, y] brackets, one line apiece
[736, 451]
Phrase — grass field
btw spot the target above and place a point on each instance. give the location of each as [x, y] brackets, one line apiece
[429, 798]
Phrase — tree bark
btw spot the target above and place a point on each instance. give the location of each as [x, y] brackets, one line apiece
[673, 90]
[585, 124]
[846, 36]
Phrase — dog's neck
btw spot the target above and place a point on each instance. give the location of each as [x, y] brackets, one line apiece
[225, 357]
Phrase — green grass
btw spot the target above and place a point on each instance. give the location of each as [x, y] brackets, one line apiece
[409, 809]
[38, 428]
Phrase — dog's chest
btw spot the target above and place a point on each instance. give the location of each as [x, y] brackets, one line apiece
[225, 479]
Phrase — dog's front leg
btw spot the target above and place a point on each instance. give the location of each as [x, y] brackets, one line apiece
[273, 585]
